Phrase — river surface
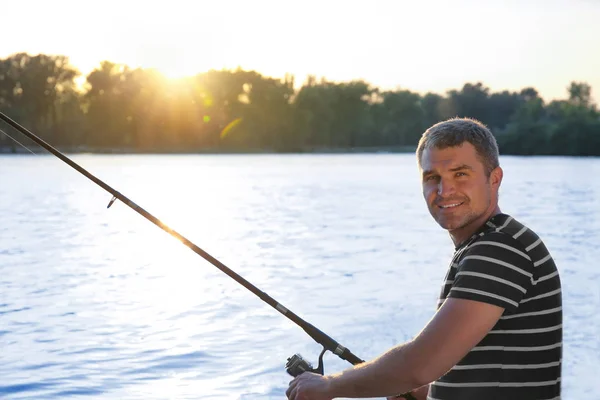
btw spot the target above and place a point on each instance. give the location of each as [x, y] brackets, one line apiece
[100, 303]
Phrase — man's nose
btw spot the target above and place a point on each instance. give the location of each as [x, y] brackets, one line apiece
[446, 188]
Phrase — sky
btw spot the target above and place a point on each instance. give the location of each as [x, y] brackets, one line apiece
[417, 45]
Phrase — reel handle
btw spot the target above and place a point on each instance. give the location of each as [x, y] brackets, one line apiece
[296, 365]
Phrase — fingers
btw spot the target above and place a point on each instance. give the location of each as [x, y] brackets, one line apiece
[291, 390]
[291, 393]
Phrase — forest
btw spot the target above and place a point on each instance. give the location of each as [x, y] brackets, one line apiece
[116, 108]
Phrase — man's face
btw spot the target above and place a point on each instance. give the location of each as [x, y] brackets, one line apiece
[458, 193]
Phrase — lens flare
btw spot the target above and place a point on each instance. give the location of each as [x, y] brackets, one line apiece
[230, 126]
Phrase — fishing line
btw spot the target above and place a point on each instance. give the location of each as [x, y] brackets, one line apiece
[295, 365]
[17, 142]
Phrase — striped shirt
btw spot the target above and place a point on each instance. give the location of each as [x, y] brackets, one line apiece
[507, 264]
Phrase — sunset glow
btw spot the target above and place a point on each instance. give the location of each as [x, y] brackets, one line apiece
[425, 46]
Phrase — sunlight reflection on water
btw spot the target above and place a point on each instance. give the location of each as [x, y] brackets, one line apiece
[101, 302]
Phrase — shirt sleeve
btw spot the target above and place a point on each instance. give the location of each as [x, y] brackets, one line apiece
[495, 269]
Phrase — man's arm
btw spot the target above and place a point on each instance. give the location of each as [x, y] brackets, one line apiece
[418, 393]
[454, 330]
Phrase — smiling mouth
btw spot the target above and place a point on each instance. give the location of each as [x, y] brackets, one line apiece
[450, 206]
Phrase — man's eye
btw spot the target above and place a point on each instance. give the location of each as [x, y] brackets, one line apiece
[461, 174]
[430, 178]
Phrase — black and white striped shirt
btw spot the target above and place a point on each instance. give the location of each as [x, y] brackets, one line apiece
[508, 265]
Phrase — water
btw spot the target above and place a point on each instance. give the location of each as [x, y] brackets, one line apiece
[102, 304]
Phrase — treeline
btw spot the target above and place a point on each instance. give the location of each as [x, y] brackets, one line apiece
[126, 109]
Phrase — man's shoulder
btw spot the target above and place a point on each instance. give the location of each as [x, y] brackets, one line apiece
[500, 240]
[506, 238]
[507, 229]
[498, 247]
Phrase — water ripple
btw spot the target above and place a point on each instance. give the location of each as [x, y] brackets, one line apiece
[101, 304]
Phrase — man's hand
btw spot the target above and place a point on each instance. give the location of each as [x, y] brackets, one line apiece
[455, 329]
[309, 386]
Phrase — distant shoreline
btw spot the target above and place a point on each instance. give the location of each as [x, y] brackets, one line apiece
[78, 150]
[123, 151]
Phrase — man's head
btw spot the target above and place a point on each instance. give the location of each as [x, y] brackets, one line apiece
[458, 159]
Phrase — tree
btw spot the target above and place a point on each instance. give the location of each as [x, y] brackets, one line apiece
[580, 94]
[39, 91]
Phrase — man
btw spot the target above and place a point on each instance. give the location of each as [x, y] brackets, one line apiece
[497, 332]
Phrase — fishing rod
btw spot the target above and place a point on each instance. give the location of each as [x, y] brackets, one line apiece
[295, 364]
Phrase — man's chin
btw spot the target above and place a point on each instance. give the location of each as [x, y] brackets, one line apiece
[450, 224]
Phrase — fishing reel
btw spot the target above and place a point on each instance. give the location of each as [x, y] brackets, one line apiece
[296, 365]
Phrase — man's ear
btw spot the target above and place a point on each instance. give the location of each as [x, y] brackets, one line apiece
[496, 177]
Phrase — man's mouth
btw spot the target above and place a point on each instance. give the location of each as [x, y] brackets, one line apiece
[450, 205]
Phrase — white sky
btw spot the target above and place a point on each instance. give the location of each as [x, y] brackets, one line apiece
[417, 45]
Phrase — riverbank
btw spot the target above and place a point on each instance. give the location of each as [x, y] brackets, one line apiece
[315, 150]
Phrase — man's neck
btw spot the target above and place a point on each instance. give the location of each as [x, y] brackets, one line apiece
[458, 236]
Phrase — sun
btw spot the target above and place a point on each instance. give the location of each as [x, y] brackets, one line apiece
[172, 70]
[175, 61]
[176, 72]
